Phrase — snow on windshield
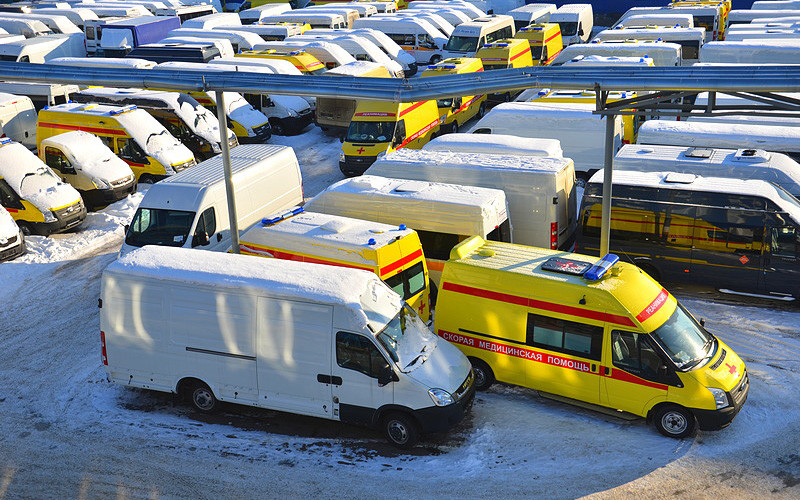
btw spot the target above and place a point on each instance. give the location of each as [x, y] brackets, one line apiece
[92, 156]
[407, 339]
[153, 138]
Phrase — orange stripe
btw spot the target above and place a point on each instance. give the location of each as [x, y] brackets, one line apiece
[435, 265]
[96, 130]
[557, 34]
[522, 53]
[401, 262]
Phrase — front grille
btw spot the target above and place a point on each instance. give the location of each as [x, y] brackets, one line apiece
[740, 391]
[68, 212]
[233, 142]
[120, 182]
[184, 165]
[9, 242]
[464, 387]
[718, 363]
[12, 252]
[358, 164]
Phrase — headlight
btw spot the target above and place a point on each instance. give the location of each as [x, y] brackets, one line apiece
[100, 184]
[50, 217]
[720, 397]
[216, 148]
[440, 397]
[341, 156]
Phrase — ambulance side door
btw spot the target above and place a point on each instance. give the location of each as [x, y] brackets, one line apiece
[632, 372]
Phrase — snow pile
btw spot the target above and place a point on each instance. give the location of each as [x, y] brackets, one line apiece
[33, 180]
[90, 155]
[496, 144]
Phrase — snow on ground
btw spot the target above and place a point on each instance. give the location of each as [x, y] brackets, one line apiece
[66, 432]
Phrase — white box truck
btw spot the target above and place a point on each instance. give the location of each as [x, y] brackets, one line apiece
[296, 337]
[190, 209]
[540, 192]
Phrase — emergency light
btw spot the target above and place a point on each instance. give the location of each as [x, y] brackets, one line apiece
[274, 220]
[601, 267]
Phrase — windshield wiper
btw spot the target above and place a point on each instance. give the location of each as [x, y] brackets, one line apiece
[424, 350]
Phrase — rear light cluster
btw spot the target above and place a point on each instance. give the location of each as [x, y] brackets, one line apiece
[103, 355]
[554, 235]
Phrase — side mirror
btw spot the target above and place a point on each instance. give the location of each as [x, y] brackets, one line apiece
[386, 375]
[580, 32]
[341, 138]
[200, 239]
[702, 322]
[663, 372]
[127, 227]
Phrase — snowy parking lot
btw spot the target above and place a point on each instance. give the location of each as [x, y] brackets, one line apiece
[66, 432]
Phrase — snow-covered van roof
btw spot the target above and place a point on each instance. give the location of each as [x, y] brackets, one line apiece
[278, 66]
[720, 135]
[90, 155]
[735, 163]
[357, 68]
[690, 182]
[662, 53]
[459, 209]
[652, 33]
[604, 61]
[369, 300]
[539, 110]
[755, 51]
[32, 180]
[107, 62]
[496, 144]
[473, 161]
[659, 19]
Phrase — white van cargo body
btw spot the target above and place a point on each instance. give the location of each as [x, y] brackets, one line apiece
[467, 8]
[379, 38]
[775, 138]
[452, 16]
[268, 32]
[776, 4]
[42, 49]
[254, 15]
[659, 19]
[77, 15]
[224, 46]
[190, 209]
[540, 191]
[359, 47]
[103, 62]
[29, 28]
[576, 21]
[743, 16]
[18, 119]
[240, 40]
[581, 133]
[431, 16]
[532, 13]
[711, 162]
[416, 36]
[442, 214]
[690, 39]
[314, 19]
[601, 62]
[210, 21]
[662, 53]
[296, 337]
[42, 94]
[327, 52]
[756, 51]
[496, 144]
[792, 33]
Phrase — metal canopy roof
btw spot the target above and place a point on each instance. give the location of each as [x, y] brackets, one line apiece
[699, 78]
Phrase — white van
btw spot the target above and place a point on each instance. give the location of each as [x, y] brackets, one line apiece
[496, 144]
[662, 53]
[327, 52]
[240, 40]
[712, 162]
[270, 32]
[777, 138]
[103, 62]
[658, 19]
[452, 16]
[314, 19]
[582, 133]
[416, 36]
[763, 34]
[466, 7]
[58, 24]
[12, 241]
[77, 15]
[190, 209]
[41, 94]
[576, 21]
[357, 46]
[41, 49]
[29, 28]
[532, 13]
[784, 51]
[541, 193]
[18, 119]
[349, 14]
[442, 214]
[255, 14]
[601, 62]
[690, 39]
[743, 16]
[296, 337]
[224, 46]
[386, 44]
[88, 165]
[211, 21]
[468, 37]
[433, 17]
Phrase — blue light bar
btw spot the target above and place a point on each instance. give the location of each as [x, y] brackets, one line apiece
[601, 267]
[268, 221]
[4, 141]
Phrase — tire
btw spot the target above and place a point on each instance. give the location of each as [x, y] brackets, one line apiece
[674, 421]
[482, 110]
[401, 430]
[435, 59]
[25, 228]
[202, 398]
[454, 128]
[147, 178]
[484, 377]
[277, 128]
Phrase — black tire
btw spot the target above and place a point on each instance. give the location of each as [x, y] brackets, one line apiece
[484, 377]
[674, 421]
[482, 110]
[277, 128]
[435, 59]
[401, 430]
[25, 228]
[454, 128]
[202, 398]
[147, 178]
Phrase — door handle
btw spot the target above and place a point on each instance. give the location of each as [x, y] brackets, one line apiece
[329, 379]
[606, 370]
[336, 380]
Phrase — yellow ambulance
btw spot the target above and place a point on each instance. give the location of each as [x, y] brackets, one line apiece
[394, 253]
[131, 133]
[302, 60]
[594, 332]
[456, 111]
[504, 54]
[544, 40]
[380, 127]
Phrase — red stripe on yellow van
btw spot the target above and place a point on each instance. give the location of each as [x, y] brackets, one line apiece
[412, 107]
[96, 130]
[15, 210]
[522, 53]
[654, 306]
[401, 262]
[539, 304]
[557, 34]
[624, 376]
[266, 252]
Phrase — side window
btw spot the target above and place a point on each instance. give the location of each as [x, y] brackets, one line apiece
[108, 141]
[54, 158]
[400, 132]
[425, 41]
[437, 245]
[409, 282]
[8, 198]
[358, 353]
[90, 33]
[24, 59]
[634, 353]
[207, 223]
[785, 242]
[129, 150]
[568, 337]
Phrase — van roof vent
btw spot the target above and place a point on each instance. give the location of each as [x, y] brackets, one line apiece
[699, 153]
[410, 187]
[336, 226]
[566, 266]
[751, 156]
[679, 178]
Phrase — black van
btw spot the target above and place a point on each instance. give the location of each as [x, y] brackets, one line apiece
[175, 51]
[742, 235]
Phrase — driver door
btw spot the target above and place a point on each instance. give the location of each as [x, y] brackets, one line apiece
[55, 159]
[357, 362]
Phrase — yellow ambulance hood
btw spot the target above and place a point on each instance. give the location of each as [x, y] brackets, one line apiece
[725, 373]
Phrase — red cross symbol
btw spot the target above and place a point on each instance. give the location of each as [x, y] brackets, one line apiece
[731, 368]
[421, 307]
[360, 150]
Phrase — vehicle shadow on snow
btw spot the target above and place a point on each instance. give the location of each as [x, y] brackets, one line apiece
[356, 443]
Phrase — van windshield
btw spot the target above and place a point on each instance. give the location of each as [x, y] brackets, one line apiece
[684, 341]
[153, 226]
[407, 340]
[34, 182]
[462, 44]
[370, 131]
[568, 28]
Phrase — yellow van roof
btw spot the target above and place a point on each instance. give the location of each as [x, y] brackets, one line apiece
[631, 288]
[454, 66]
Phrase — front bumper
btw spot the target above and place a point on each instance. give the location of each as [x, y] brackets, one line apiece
[66, 219]
[262, 135]
[356, 165]
[714, 420]
[102, 197]
[442, 418]
[15, 247]
[293, 125]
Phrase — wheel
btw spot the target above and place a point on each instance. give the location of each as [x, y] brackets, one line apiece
[147, 179]
[277, 128]
[674, 421]
[484, 377]
[203, 398]
[481, 110]
[454, 128]
[400, 430]
[25, 228]
[435, 59]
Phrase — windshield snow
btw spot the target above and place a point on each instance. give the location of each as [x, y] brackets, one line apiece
[407, 340]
